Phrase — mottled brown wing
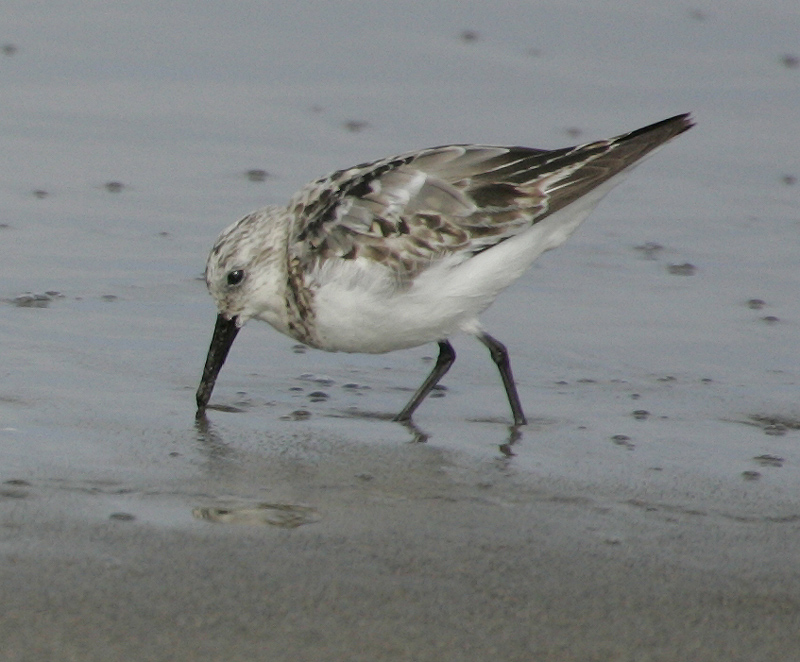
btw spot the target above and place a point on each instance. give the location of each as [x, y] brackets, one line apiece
[410, 210]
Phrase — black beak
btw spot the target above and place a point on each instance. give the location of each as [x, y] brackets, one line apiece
[225, 331]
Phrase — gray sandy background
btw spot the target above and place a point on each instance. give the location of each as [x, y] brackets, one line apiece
[650, 511]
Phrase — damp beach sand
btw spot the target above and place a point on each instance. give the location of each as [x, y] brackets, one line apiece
[392, 553]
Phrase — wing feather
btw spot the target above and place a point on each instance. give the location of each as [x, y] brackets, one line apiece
[408, 211]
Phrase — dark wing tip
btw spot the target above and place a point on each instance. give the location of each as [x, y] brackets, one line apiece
[686, 119]
[600, 161]
[668, 128]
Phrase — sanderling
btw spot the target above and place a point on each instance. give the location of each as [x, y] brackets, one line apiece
[410, 249]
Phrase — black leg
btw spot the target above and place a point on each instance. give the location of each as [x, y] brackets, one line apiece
[500, 357]
[445, 359]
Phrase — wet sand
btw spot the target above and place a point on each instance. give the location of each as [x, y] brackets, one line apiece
[415, 556]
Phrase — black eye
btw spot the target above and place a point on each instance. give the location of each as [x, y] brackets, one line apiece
[236, 276]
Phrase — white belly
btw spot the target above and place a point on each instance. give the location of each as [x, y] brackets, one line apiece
[381, 320]
[359, 309]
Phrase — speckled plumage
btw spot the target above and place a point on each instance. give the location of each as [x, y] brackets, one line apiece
[411, 249]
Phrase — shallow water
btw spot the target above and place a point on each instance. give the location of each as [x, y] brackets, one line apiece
[652, 382]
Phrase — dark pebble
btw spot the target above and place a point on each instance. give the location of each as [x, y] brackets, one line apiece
[650, 249]
[790, 61]
[623, 440]
[122, 517]
[354, 126]
[769, 460]
[32, 300]
[297, 415]
[685, 269]
[257, 175]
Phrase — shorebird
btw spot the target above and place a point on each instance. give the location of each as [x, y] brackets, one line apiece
[410, 249]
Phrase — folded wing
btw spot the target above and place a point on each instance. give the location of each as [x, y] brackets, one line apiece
[408, 211]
